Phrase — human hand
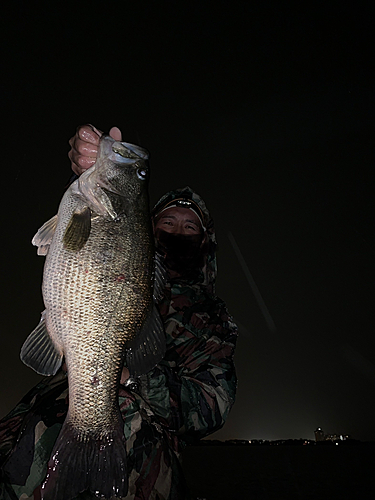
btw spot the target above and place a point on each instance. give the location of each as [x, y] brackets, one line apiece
[84, 146]
[124, 374]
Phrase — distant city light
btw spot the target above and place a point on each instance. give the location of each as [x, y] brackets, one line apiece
[320, 436]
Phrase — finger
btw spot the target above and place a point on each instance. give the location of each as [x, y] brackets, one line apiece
[83, 156]
[115, 133]
[124, 375]
[85, 148]
[88, 133]
[96, 130]
[80, 163]
[76, 170]
[81, 146]
[85, 162]
[79, 169]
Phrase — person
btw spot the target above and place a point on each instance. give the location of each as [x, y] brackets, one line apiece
[185, 397]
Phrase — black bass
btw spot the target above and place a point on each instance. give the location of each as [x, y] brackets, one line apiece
[98, 295]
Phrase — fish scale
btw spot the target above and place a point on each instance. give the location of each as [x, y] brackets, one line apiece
[95, 301]
[98, 293]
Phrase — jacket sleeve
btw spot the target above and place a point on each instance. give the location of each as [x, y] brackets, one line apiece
[193, 388]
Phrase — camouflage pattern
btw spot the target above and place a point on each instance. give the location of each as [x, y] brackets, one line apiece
[187, 396]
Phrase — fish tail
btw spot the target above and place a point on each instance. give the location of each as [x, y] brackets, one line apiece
[87, 463]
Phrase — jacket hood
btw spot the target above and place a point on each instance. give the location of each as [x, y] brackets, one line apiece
[208, 271]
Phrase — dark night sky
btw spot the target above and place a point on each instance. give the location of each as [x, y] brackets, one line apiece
[268, 112]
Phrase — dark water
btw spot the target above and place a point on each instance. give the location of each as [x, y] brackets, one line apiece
[281, 472]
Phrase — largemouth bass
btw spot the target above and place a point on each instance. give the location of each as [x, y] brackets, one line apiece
[98, 294]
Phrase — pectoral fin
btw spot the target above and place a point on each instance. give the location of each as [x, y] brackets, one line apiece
[39, 353]
[148, 347]
[44, 236]
[78, 230]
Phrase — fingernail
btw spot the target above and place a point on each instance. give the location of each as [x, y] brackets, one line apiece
[97, 131]
[87, 135]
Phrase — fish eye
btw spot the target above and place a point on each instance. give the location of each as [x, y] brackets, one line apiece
[142, 173]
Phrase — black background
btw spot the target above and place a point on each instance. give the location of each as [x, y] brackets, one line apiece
[267, 112]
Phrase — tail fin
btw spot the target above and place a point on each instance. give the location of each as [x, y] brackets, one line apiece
[79, 463]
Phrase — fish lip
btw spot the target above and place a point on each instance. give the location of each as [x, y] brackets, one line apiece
[111, 149]
[138, 151]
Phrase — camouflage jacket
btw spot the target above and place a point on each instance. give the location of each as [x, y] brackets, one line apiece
[187, 396]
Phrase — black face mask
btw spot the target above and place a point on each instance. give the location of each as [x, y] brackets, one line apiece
[182, 252]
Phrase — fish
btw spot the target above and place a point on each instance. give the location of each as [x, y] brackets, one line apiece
[100, 286]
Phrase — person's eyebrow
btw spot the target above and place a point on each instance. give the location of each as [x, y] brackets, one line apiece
[192, 222]
[168, 217]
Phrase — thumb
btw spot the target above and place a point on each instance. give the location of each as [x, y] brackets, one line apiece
[115, 133]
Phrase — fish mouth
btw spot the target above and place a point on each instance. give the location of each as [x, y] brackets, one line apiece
[122, 152]
[131, 151]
